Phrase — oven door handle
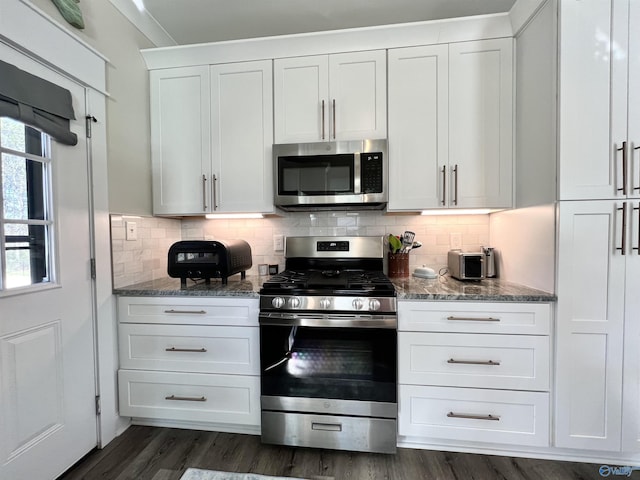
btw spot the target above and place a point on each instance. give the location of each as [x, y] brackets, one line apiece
[328, 320]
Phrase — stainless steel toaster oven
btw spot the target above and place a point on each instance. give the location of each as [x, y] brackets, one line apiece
[465, 265]
[207, 259]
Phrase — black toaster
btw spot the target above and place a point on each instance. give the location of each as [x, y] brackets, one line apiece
[207, 259]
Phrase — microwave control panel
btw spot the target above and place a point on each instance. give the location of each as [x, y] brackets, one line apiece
[371, 172]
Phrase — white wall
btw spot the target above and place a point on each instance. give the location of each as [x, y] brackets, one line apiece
[536, 109]
[526, 246]
[128, 131]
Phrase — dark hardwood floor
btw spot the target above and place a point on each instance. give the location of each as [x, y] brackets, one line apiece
[147, 453]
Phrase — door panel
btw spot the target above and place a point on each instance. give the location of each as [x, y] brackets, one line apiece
[47, 385]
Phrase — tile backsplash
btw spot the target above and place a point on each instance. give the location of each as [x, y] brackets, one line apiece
[145, 259]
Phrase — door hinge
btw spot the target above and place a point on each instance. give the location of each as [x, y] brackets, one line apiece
[89, 119]
[93, 268]
[98, 407]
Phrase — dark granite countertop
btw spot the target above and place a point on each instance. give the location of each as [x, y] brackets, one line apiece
[411, 288]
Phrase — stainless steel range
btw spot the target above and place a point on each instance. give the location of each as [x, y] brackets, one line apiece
[328, 347]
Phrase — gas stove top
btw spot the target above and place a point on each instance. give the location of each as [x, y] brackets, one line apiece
[329, 282]
[337, 274]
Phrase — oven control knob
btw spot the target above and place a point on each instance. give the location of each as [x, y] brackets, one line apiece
[357, 303]
[325, 303]
[294, 302]
[374, 304]
[277, 302]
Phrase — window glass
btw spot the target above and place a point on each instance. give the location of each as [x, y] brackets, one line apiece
[25, 217]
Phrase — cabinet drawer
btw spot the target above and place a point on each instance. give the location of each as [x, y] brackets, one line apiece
[194, 397]
[518, 362]
[475, 317]
[474, 415]
[189, 311]
[190, 348]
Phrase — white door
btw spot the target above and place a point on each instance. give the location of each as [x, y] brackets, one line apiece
[418, 121]
[301, 96]
[180, 140]
[241, 134]
[358, 95]
[590, 319]
[480, 123]
[47, 372]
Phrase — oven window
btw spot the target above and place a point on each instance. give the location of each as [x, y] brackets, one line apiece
[316, 175]
[338, 363]
[198, 257]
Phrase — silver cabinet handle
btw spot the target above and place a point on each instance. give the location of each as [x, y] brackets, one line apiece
[638, 187]
[473, 417]
[455, 184]
[195, 350]
[327, 427]
[322, 119]
[334, 118]
[473, 319]
[624, 168]
[195, 312]
[473, 362]
[444, 185]
[204, 193]
[186, 399]
[215, 191]
[623, 247]
[638, 247]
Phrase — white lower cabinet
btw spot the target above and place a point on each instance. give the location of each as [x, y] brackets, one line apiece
[485, 379]
[190, 360]
[474, 415]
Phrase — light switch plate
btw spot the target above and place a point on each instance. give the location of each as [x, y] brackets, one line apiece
[278, 243]
[455, 239]
[131, 229]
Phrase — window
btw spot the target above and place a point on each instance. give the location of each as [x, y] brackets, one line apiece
[25, 206]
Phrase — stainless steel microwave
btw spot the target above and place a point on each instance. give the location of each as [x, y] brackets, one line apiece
[342, 175]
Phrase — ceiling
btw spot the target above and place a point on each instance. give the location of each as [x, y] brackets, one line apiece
[202, 21]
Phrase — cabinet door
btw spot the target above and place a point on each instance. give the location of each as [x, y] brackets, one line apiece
[592, 106]
[634, 99]
[418, 127]
[301, 99]
[631, 407]
[481, 123]
[357, 90]
[242, 132]
[590, 315]
[180, 140]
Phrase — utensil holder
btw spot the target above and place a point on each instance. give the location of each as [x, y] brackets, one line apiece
[398, 265]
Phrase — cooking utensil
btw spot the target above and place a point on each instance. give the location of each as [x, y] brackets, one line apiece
[407, 241]
[416, 244]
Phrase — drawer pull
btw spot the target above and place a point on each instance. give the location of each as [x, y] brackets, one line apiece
[186, 399]
[473, 417]
[195, 312]
[475, 319]
[195, 350]
[327, 427]
[474, 362]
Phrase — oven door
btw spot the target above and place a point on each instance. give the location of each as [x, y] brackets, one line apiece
[348, 359]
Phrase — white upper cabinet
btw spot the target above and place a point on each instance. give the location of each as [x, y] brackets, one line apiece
[330, 97]
[418, 127]
[450, 126]
[241, 133]
[211, 137]
[180, 140]
[481, 123]
[599, 113]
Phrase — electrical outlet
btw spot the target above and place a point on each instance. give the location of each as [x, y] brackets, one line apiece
[131, 229]
[278, 243]
[455, 240]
